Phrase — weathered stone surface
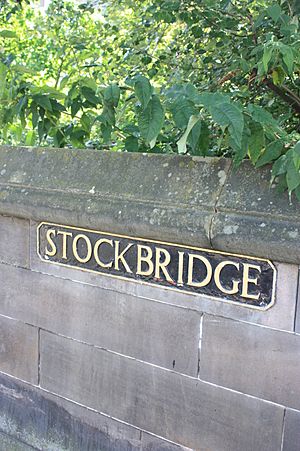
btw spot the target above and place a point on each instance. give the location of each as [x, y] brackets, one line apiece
[120, 193]
[136, 176]
[184, 200]
[248, 190]
[8, 443]
[255, 219]
[255, 360]
[46, 422]
[297, 322]
[115, 429]
[184, 410]
[164, 335]
[14, 241]
[271, 238]
[291, 433]
[19, 349]
[152, 443]
[164, 197]
[280, 316]
[135, 218]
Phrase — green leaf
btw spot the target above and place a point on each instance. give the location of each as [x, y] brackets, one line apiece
[23, 102]
[132, 129]
[30, 138]
[48, 91]
[199, 139]
[152, 143]
[58, 139]
[209, 99]
[151, 120]
[192, 93]
[78, 133]
[240, 151]
[35, 114]
[64, 82]
[75, 107]
[279, 167]
[88, 82]
[271, 153]
[278, 76]
[244, 65]
[86, 122]
[132, 144]
[8, 34]
[73, 94]
[263, 116]
[288, 58]
[281, 185]
[256, 140]
[292, 177]
[296, 155]
[274, 12]
[3, 73]
[108, 115]
[181, 144]
[106, 130]
[90, 96]
[296, 7]
[77, 137]
[23, 70]
[112, 94]
[143, 90]
[43, 101]
[228, 115]
[56, 106]
[182, 110]
[41, 131]
[268, 51]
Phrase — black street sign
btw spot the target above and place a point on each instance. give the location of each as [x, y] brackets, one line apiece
[231, 278]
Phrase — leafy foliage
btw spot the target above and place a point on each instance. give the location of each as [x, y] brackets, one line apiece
[216, 77]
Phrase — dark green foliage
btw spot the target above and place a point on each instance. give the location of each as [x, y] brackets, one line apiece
[216, 77]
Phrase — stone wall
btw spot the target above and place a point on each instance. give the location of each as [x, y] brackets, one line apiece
[89, 362]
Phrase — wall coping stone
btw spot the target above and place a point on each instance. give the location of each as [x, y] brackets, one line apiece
[187, 200]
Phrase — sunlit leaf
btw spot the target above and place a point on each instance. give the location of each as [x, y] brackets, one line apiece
[8, 34]
[181, 144]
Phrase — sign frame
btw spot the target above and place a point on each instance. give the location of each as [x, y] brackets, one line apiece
[153, 284]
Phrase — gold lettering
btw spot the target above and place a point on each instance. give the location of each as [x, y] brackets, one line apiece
[88, 245]
[161, 266]
[191, 270]
[120, 256]
[146, 259]
[96, 253]
[217, 275]
[64, 249]
[247, 280]
[180, 268]
[53, 250]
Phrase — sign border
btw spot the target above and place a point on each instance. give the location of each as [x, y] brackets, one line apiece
[142, 282]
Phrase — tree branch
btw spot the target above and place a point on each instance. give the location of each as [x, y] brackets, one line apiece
[285, 94]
